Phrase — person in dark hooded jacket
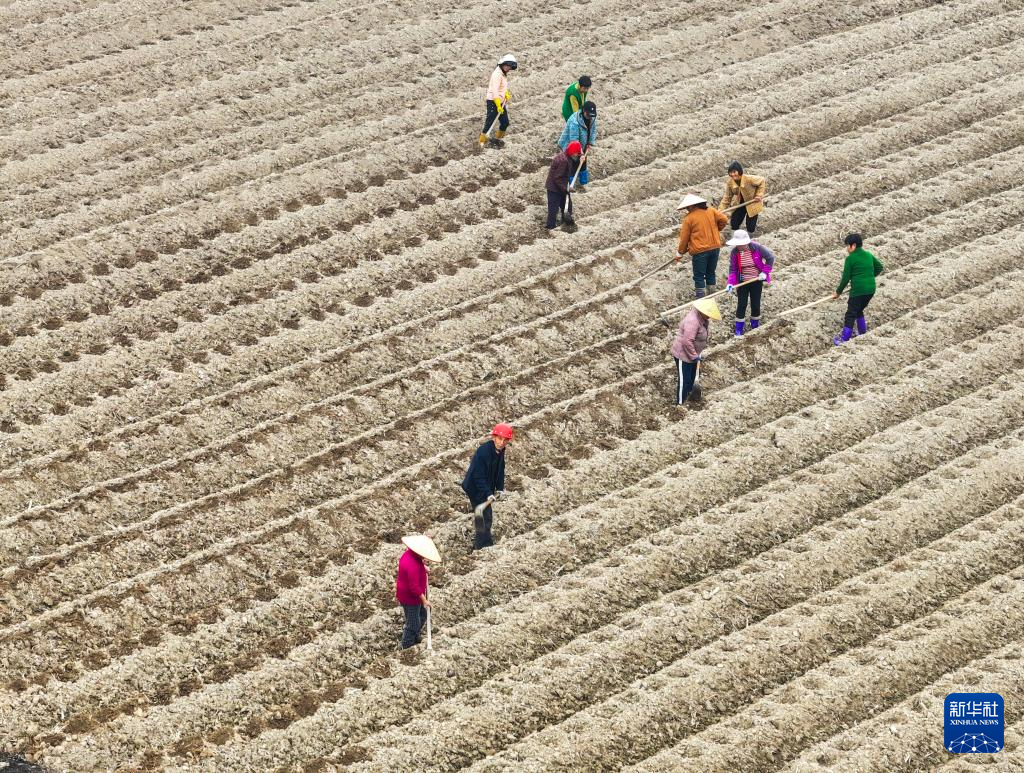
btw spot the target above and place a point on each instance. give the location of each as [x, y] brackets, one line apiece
[485, 482]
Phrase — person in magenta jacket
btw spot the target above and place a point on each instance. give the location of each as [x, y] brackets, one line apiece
[748, 262]
[411, 585]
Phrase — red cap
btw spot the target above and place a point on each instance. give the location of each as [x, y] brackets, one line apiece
[574, 148]
[503, 430]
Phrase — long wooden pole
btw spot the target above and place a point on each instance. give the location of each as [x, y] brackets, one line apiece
[713, 295]
[806, 306]
[662, 267]
[737, 206]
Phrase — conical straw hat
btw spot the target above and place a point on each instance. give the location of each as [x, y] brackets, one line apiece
[422, 545]
[689, 200]
[708, 308]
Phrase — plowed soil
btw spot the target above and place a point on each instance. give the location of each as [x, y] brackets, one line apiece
[263, 294]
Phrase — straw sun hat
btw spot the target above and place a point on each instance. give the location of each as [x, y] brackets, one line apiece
[422, 545]
[691, 199]
[708, 308]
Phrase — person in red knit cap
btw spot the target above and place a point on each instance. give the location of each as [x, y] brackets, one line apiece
[485, 482]
[563, 167]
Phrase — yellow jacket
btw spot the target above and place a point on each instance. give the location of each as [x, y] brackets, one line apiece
[747, 189]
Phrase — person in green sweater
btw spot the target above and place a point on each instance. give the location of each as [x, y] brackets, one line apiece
[859, 271]
[575, 96]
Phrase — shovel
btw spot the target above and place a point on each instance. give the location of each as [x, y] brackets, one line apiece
[430, 640]
[696, 394]
[579, 168]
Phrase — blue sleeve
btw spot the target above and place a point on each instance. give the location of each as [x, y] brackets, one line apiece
[476, 485]
[501, 473]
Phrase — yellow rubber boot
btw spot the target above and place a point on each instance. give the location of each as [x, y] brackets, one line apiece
[483, 139]
[499, 134]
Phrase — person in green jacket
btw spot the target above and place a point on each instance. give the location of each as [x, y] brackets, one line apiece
[859, 271]
[575, 96]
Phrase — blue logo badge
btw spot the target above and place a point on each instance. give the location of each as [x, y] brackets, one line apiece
[974, 722]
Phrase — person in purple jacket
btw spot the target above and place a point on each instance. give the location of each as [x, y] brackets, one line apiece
[750, 263]
[411, 585]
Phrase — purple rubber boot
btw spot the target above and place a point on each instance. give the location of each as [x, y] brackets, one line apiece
[862, 326]
[740, 324]
[754, 323]
[843, 337]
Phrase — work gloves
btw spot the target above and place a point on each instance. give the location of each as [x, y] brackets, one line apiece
[730, 289]
[500, 107]
[762, 276]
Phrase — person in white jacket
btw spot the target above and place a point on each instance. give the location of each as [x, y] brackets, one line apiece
[498, 96]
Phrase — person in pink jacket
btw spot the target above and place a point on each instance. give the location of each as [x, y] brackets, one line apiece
[752, 263]
[690, 341]
[411, 585]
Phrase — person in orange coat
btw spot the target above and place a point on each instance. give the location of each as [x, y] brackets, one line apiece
[701, 235]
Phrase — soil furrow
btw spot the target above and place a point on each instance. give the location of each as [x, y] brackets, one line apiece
[235, 331]
[317, 80]
[456, 374]
[112, 555]
[718, 40]
[691, 693]
[907, 736]
[222, 218]
[707, 683]
[586, 671]
[372, 578]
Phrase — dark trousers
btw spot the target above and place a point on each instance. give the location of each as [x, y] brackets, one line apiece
[482, 528]
[704, 266]
[687, 373]
[855, 306]
[492, 111]
[556, 206]
[736, 220]
[415, 622]
[752, 293]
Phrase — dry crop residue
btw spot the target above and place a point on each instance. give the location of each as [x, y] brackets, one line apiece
[262, 295]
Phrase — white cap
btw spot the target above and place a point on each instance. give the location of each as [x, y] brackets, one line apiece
[739, 238]
[508, 59]
[422, 545]
[689, 200]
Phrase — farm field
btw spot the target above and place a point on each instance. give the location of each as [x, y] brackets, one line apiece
[263, 294]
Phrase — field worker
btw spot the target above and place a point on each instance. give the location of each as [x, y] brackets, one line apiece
[582, 128]
[700, 235]
[690, 341]
[563, 165]
[740, 188]
[748, 261]
[497, 100]
[411, 585]
[575, 96]
[485, 482]
[859, 271]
